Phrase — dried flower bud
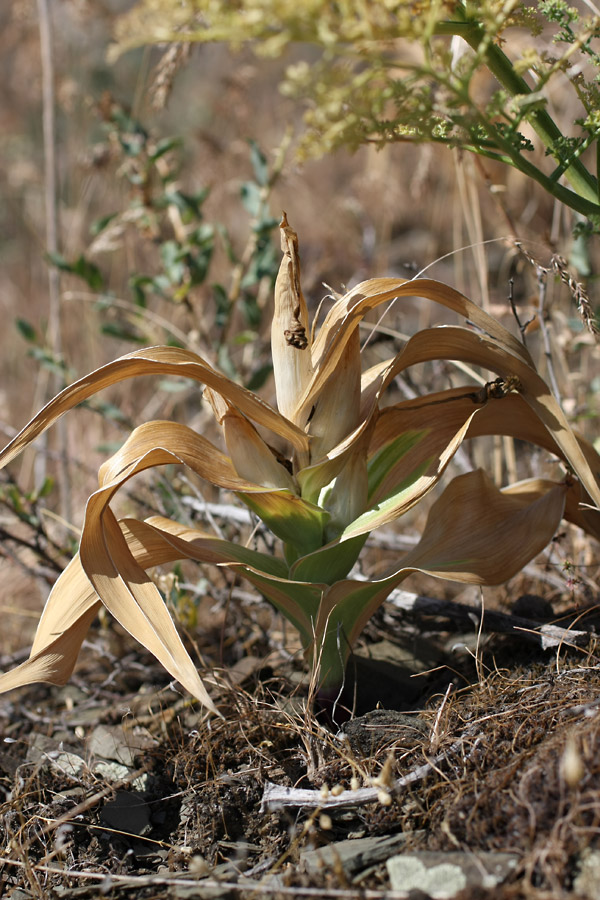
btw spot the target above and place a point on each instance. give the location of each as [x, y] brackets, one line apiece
[290, 340]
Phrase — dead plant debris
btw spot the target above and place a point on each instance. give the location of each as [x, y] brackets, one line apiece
[116, 787]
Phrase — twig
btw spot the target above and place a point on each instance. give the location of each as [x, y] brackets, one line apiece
[226, 511]
[541, 280]
[544, 635]
[51, 192]
[275, 796]
[521, 325]
[243, 886]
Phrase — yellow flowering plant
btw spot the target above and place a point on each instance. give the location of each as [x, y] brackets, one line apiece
[352, 465]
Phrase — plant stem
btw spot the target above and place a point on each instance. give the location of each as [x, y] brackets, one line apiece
[51, 191]
[584, 183]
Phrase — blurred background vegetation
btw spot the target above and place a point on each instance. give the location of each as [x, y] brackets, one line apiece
[173, 164]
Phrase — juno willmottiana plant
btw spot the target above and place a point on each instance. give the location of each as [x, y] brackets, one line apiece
[353, 464]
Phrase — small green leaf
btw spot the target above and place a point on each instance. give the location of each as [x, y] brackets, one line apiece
[259, 164]
[89, 272]
[229, 250]
[107, 410]
[222, 304]
[174, 386]
[45, 488]
[132, 145]
[172, 259]
[251, 195]
[138, 285]
[190, 205]
[251, 309]
[259, 377]
[100, 224]
[81, 267]
[48, 361]
[164, 146]
[224, 361]
[27, 331]
[264, 264]
[121, 332]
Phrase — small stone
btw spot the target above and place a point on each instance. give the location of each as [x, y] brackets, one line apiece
[67, 763]
[119, 744]
[587, 881]
[444, 875]
[128, 812]
[352, 855]
[367, 734]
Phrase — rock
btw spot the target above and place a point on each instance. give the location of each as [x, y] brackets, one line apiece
[444, 875]
[48, 752]
[128, 812]
[119, 744]
[366, 734]
[352, 855]
[587, 881]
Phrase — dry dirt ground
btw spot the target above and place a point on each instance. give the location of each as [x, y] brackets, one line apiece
[479, 777]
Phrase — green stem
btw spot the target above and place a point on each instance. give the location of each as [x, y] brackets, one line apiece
[570, 198]
[585, 196]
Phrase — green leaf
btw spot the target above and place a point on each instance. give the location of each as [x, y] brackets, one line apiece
[100, 224]
[138, 285]
[475, 534]
[164, 146]
[225, 363]
[380, 464]
[190, 205]
[251, 195]
[160, 540]
[81, 267]
[174, 386]
[251, 309]
[330, 563]
[296, 522]
[222, 304]
[259, 164]
[108, 411]
[27, 331]
[298, 602]
[122, 333]
[45, 488]
[264, 264]
[48, 361]
[229, 250]
[172, 258]
[259, 377]
[400, 500]
[133, 144]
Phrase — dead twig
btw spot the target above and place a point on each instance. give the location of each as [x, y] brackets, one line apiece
[269, 886]
[276, 796]
[544, 635]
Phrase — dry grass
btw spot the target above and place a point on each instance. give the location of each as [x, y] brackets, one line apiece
[513, 767]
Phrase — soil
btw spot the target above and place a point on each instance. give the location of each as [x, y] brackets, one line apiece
[117, 785]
